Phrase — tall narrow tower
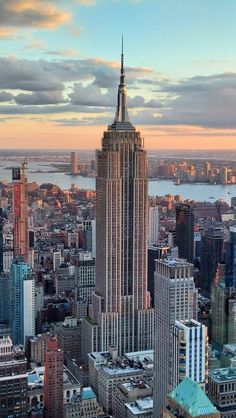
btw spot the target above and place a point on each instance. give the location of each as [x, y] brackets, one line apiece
[20, 212]
[121, 303]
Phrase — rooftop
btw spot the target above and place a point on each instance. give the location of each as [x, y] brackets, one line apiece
[87, 393]
[190, 396]
[223, 375]
[141, 406]
[174, 262]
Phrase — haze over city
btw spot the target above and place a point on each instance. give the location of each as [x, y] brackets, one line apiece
[59, 63]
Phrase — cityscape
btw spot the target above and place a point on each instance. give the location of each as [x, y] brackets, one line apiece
[117, 251]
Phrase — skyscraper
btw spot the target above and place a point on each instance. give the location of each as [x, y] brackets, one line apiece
[175, 300]
[74, 163]
[189, 352]
[1, 241]
[223, 306]
[121, 303]
[22, 301]
[185, 231]
[53, 380]
[212, 253]
[153, 234]
[20, 212]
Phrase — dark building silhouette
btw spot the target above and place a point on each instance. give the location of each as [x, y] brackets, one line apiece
[31, 239]
[212, 254]
[154, 253]
[185, 231]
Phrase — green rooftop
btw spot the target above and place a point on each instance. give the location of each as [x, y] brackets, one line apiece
[190, 396]
[87, 393]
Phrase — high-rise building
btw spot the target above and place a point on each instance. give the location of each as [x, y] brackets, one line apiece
[1, 240]
[74, 163]
[185, 231]
[13, 382]
[4, 304]
[212, 253]
[20, 212]
[22, 301]
[223, 306]
[190, 352]
[121, 302]
[53, 380]
[85, 276]
[153, 234]
[175, 300]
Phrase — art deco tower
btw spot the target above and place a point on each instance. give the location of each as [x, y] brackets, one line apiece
[121, 303]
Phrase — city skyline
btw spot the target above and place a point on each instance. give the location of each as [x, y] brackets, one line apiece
[181, 89]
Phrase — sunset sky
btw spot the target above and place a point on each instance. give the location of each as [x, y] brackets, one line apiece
[59, 70]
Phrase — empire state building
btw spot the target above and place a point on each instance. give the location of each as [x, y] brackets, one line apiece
[121, 313]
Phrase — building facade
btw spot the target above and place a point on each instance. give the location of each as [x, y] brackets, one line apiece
[121, 303]
[190, 352]
[185, 231]
[53, 380]
[175, 300]
[20, 212]
[22, 301]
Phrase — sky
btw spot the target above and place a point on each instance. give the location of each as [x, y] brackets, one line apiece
[59, 70]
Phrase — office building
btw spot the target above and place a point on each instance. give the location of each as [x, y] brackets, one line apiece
[53, 380]
[121, 302]
[212, 254]
[222, 391]
[185, 231]
[107, 370]
[13, 396]
[69, 338]
[74, 163]
[7, 260]
[37, 347]
[85, 276]
[4, 304]
[56, 260]
[127, 397]
[155, 252]
[84, 405]
[188, 400]
[22, 301]
[20, 212]
[13, 382]
[175, 300]
[190, 352]
[1, 240]
[153, 232]
[223, 306]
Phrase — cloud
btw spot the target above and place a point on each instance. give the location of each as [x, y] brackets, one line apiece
[86, 2]
[40, 98]
[7, 33]
[5, 97]
[35, 44]
[31, 13]
[63, 52]
[208, 101]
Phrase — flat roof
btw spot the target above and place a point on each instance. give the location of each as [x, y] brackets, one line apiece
[223, 375]
[141, 406]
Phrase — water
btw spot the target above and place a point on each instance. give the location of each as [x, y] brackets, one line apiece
[198, 192]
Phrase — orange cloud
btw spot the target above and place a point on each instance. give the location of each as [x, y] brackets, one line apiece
[7, 33]
[31, 13]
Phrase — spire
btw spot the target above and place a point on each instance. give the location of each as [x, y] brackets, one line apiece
[121, 116]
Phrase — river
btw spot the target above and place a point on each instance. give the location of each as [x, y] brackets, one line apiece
[195, 191]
